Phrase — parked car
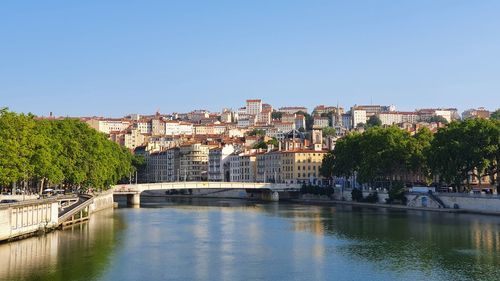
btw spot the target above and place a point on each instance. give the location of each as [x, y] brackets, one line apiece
[8, 201]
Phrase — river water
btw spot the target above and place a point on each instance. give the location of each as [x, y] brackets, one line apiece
[202, 239]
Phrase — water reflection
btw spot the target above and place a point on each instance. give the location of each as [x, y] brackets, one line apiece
[80, 252]
[200, 239]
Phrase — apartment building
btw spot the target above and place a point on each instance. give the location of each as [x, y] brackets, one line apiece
[218, 162]
[302, 166]
[194, 162]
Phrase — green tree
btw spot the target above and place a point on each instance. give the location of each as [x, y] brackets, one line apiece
[374, 121]
[495, 115]
[465, 148]
[276, 115]
[329, 132]
[273, 142]
[257, 132]
[438, 119]
[16, 147]
[260, 145]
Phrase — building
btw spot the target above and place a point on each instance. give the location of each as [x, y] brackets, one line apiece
[162, 166]
[248, 167]
[177, 128]
[476, 113]
[427, 114]
[193, 162]
[300, 121]
[234, 167]
[373, 110]
[359, 116]
[302, 166]
[157, 127]
[321, 109]
[254, 107]
[269, 167]
[218, 159]
[292, 109]
[284, 127]
[108, 125]
[321, 122]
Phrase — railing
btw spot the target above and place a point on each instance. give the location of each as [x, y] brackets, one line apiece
[69, 213]
[208, 185]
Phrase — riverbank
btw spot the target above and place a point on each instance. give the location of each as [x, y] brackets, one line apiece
[329, 202]
[37, 217]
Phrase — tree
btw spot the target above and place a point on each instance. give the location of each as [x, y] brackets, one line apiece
[438, 119]
[260, 145]
[257, 132]
[16, 147]
[465, 148]
[61, 152]
[329, 132]
[495, 115]
[276, 115]
[374, 121]
[274, 142]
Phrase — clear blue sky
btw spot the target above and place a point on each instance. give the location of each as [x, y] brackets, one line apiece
[117, 57]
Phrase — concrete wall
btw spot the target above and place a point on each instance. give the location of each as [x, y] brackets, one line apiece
[102, 201]
[19, 197]
[487, 203]
[346, 194]
[27, 217]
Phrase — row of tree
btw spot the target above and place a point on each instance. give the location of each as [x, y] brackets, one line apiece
[36, 154]
[450, 156]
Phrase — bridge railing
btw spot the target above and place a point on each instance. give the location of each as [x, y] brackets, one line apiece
[127, 188]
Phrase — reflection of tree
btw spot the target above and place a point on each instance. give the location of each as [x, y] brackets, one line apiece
[465, 246]
[79, 253]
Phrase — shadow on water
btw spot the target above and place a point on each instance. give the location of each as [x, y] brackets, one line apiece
[80, 252]
[460, 246]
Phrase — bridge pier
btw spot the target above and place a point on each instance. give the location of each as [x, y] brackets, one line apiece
[269, 195]
[134, 199]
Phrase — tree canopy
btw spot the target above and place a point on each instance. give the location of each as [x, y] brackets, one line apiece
[495, 115]
[453, 155]
[67, 153]
[374, 121]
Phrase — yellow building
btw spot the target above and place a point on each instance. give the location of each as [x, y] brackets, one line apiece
[301, 166]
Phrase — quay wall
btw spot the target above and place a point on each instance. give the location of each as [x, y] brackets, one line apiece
[102, 201]
[24, 218]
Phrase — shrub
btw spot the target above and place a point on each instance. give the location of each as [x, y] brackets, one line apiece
[357, 195]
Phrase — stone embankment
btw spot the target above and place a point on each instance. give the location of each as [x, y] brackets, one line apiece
[29, 217]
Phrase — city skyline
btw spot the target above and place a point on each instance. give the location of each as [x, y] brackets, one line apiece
[182, 56]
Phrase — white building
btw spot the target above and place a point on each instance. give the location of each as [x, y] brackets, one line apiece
[194, 162]
[358, 116]
[176, 128]
[218, 158]
[254, 107]
[234, 167]
[321, 122]
[109, 125]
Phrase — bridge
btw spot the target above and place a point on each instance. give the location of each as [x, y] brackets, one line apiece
[269, 190]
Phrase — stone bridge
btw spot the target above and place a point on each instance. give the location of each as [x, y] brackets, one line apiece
[270, 190]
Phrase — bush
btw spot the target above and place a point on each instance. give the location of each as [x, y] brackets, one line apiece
[371, 198]
[397, 194]
[316, 190]
[357, 195]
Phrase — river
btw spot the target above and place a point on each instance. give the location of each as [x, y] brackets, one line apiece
[205, 239]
